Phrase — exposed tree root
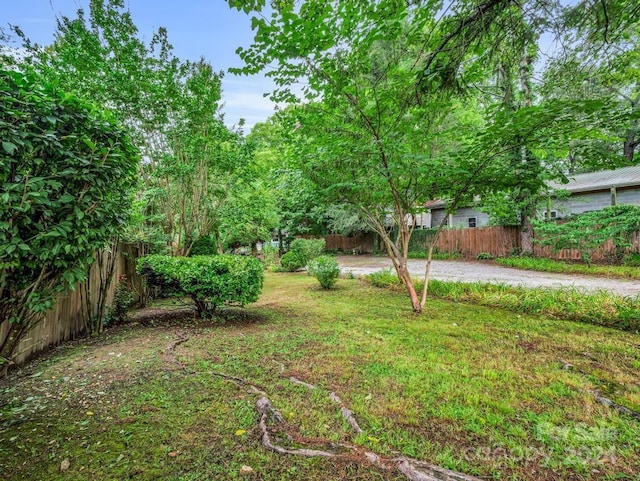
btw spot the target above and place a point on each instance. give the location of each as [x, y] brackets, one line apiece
[170, 350]
[347, 413]
[412, 469]
[255, 388]
[266, 409]
[618, 407]
[566, 366]
[302, 383]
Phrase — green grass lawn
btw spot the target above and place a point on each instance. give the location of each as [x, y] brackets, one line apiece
[470, 388]
[550, 265]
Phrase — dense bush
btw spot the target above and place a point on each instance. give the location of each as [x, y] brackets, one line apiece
[307, 249]
[590, 230]
[292, 261]
[204, 246]
[67, 170]
[211, 281]
[325, 269]
[123, 299]
[631, 259]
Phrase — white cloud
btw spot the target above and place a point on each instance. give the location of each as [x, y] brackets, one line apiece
[244, 98]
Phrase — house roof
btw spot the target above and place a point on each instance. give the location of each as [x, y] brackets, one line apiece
[604, 179]
[435, 204]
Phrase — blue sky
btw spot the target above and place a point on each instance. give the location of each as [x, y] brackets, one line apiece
[196, 28]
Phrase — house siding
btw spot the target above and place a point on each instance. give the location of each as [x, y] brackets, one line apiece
[582, 202]
[460, 218]
[589, 201]
[629, 196]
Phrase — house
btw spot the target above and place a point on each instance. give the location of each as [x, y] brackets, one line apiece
[595, 191]
[463, 217]
[584, 193]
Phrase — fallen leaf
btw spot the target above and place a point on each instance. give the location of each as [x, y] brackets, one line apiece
[64, 465]
[240, 432]
[89, 413]
[172, 454]
[246, 470]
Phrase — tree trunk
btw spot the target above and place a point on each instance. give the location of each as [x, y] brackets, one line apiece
[629, 148]
[526, 233]
[218, 243]
[427, 270]
[405, 277]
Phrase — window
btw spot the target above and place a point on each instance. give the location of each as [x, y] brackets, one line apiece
[550, 214]
[472, 221]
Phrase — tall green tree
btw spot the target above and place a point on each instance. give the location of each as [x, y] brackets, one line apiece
[366, 135]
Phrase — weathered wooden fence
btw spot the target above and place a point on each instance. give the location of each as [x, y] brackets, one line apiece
[500, 241]
[362, 243]
[64, 322]
[607, 251]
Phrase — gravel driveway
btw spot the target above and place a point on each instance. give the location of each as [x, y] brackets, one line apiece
[477, 271]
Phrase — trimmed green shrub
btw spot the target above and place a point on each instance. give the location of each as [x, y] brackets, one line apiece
[325, 269]
[210, 281]
[484, 256]
[307, 249]
[292, 261]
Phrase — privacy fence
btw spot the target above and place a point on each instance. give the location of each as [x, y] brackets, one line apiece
[65, 321]
[498, 241]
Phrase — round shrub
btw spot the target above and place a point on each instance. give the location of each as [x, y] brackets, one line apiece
[307, 249]
[211, 281]
[326, 270]
[292, 261]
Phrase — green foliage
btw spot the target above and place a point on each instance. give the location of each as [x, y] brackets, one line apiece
[67, 170]
[293, 261]
[436, 255]
[270, 256]
[123, 299]
[210, 281]
[383, 278]
[204, 246]
[172, 108]
[249, 216]
[550, 265]
[601, 308]
[307, 249]
[484, 256]
[590, 230]
[325, 269]
[631, 259]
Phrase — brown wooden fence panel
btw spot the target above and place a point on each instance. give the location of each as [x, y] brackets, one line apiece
[64, 322]
[362, 243]
[497, 241]
[501, 241]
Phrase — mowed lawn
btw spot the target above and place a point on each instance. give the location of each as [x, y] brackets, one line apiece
[474, 389]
